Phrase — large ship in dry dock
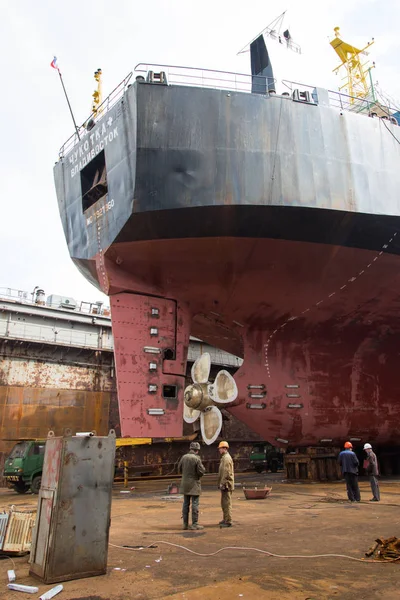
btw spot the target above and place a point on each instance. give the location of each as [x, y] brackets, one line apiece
[265, 223]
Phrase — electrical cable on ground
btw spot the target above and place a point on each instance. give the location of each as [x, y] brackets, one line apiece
[332, 500]
[9, 558]
[246, 549]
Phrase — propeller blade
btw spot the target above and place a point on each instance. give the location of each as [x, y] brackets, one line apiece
[201, 368]
[210, 424]
[225, 388]
[190, 415]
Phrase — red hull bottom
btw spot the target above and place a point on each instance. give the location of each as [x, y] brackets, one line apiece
[316, 324]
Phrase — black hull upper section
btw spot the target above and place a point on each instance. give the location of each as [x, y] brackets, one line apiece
[185, 161]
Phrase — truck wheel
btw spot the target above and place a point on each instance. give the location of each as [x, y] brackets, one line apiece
[21, 488]
[274, 467]
[35, 485]
[259, 469]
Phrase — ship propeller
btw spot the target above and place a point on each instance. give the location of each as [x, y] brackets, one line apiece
[201, 398]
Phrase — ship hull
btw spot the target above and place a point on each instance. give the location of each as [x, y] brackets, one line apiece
[316, 324]
[263, 227]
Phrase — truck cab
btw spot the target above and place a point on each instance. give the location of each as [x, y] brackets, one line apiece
[23, 467]
[265, 457]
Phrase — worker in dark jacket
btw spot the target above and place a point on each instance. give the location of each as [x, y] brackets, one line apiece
[371, 467]
[192, 470]
[349, 464]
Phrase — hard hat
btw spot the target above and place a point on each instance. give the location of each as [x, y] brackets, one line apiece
[223, 445]
[367, 447]
[195, 446]
[348, 445]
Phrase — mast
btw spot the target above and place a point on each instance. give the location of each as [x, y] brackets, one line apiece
[355, 71]
[97, 94]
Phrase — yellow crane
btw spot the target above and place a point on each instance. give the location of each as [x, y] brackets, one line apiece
[97, 94]
[357, 73]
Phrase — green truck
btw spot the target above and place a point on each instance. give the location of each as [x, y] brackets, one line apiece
[265, 457]
[23, 467]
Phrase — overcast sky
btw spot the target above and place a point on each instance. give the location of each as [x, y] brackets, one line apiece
[115, 36]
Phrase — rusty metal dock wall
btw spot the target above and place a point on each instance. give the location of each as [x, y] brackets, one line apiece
[56, 371]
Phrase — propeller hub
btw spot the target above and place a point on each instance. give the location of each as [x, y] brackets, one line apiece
[196, 396]
[202, 398]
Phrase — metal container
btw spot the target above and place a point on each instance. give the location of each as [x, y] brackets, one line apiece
[70, 539]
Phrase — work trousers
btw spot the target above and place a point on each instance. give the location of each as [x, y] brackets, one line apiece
[226, 505]
[374, 487]
[353, 491]
[186, 509]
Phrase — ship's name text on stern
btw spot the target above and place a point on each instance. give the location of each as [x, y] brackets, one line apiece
[93, 145]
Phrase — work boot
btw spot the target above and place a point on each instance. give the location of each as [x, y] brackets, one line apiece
[196, 526]
[185, 526]
[225, 524]
[221, 522]
[374, 500]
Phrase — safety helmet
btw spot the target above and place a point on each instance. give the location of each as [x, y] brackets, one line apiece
[195, 446]
[367, 447]
[348, 445]
[223, 445]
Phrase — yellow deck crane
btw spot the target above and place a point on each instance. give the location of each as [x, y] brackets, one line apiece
[97, 94]
[357, 81]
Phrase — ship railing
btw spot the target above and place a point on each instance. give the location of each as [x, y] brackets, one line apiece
[104, 107]
[242, 82]
[205, 78]
[13, 294]
[343, 101]
[49, 334]
[24, 297]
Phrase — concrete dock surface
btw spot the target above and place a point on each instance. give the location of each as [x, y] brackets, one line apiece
[300, 519]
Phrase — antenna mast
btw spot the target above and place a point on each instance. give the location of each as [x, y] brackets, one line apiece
[356, 73]
[97, 94]
[273, 31]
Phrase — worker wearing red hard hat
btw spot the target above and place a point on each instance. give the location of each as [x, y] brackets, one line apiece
[349, 465]
[226, 483]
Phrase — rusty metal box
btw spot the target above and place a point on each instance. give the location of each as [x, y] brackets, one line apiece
[70, 538]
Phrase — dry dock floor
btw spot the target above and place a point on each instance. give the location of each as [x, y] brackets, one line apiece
[297, 519]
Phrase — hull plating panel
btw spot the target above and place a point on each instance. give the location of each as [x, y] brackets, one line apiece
[149, 338]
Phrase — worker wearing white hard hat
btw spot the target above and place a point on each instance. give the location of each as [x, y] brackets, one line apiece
[372, 469]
